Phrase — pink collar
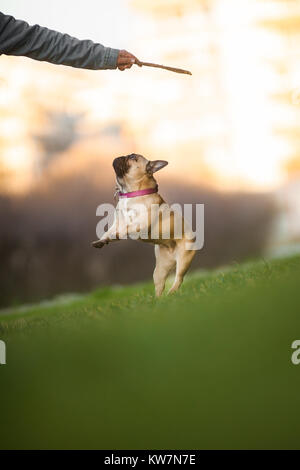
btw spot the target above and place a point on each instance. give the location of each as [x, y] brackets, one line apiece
[141, 192]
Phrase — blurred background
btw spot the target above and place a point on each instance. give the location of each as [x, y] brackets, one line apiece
[230, 133]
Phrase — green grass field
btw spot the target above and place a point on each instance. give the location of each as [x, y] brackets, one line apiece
[209, 367]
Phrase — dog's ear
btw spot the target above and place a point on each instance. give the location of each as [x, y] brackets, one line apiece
[155, 165]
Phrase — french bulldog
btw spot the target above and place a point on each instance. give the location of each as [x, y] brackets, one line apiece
[135, 217]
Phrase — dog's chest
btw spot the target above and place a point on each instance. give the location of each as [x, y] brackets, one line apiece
[130, 212]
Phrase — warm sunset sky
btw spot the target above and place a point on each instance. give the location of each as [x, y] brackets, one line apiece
[218, 126]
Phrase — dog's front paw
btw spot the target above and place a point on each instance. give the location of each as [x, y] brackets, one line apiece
[98, 244]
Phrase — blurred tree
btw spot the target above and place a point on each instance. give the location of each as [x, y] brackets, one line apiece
[292, 167]
[287, 25]
[4, 173]
[61, 133]
[187, 32]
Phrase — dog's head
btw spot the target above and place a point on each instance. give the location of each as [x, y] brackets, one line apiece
[133, 168]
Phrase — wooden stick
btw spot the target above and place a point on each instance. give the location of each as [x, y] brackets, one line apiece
[171, 69]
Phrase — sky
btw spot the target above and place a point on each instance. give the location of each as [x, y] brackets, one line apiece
[217, 125]
[109, 23]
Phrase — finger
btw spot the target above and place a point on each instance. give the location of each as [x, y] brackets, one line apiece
[126, 60]
[124, 67]
[127, 54]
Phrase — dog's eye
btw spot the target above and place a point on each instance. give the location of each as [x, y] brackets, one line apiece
[132, 157]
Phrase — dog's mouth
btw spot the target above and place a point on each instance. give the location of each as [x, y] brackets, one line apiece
[121, 166]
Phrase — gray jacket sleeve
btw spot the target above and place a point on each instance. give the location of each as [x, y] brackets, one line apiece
[36, 42]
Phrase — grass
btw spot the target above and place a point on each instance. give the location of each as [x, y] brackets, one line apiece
[209, 367]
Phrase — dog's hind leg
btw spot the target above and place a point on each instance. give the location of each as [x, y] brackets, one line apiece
[183, 260]
[165, 261]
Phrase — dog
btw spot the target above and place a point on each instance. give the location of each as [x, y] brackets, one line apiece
[138, 194]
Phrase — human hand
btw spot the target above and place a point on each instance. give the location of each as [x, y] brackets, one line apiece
[126, 60]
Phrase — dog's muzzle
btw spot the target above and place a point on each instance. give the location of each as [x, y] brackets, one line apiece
[121, 166]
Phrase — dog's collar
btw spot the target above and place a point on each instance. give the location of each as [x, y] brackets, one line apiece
[141, 192]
